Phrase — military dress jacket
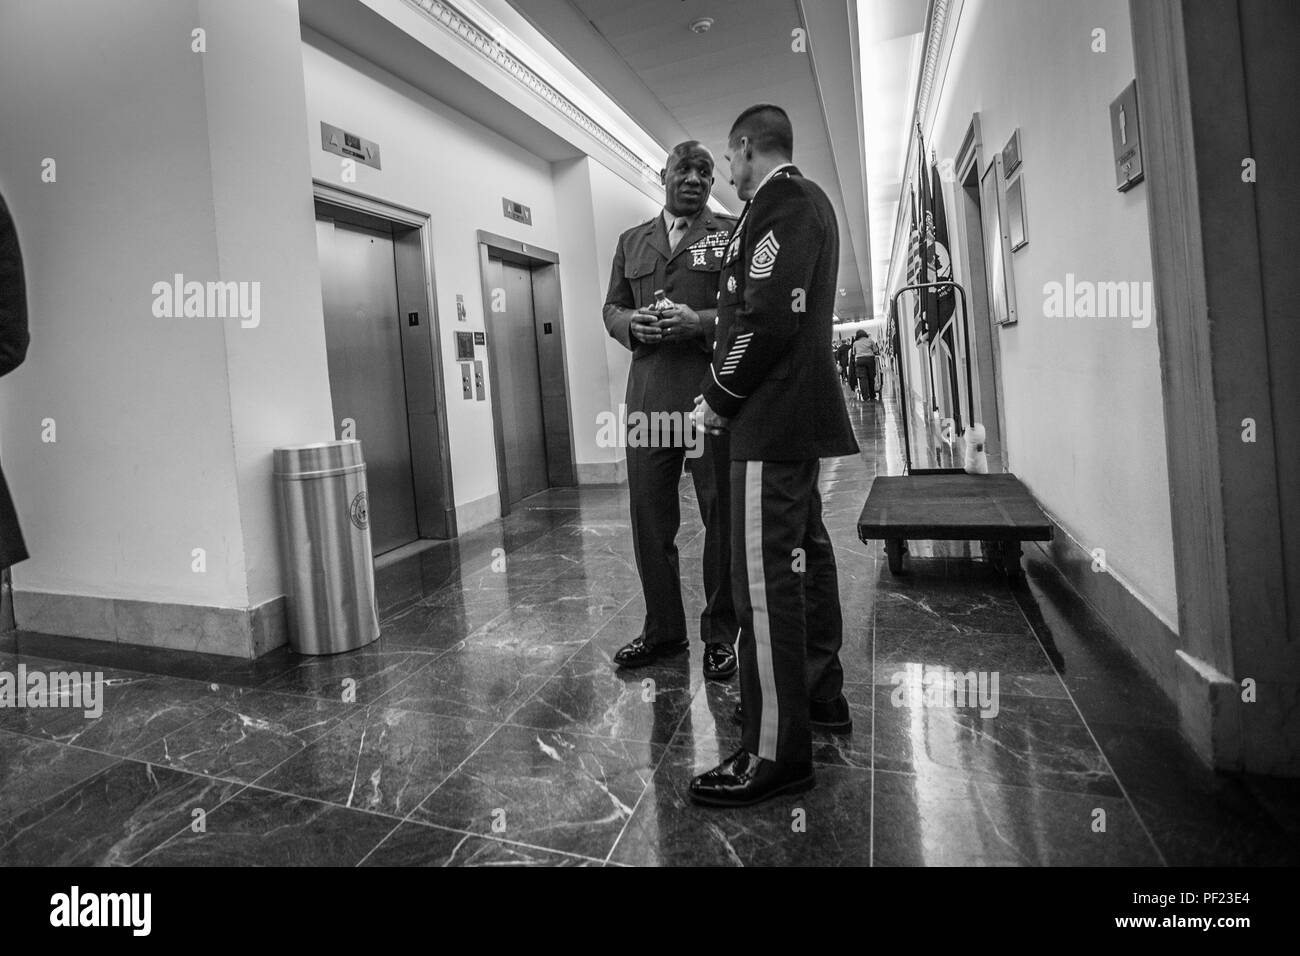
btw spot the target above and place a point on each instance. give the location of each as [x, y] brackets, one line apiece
[772, 373]
[665, 376]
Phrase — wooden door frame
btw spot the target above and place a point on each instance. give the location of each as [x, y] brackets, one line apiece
[1224, 500]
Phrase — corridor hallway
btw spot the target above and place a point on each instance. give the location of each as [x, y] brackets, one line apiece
[489, 728]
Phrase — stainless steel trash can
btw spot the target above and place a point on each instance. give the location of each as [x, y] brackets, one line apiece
[325, 539]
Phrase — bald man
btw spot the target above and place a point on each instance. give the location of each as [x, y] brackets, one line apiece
[678, 252]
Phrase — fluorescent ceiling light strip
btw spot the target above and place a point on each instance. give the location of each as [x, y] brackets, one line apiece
[475, 36]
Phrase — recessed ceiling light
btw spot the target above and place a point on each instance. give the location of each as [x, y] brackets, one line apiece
[702, 25]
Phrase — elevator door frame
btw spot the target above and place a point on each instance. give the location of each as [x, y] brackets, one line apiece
[425, 386]
[557, 418]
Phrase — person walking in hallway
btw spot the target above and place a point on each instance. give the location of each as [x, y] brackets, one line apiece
[842, 359]
[679, 254]
[864, 356]
[773, 385]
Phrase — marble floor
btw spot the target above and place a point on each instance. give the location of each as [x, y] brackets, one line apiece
[488, 727]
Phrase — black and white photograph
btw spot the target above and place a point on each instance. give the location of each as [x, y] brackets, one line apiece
[649, 434]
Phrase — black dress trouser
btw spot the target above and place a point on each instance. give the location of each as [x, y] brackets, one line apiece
[788, 603]
[867, 375]
[653, 475]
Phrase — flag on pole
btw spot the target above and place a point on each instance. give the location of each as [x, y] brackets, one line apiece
[941, 264]
[914, 270]
[930, 312]
[940, 270]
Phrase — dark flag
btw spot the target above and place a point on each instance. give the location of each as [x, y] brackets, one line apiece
[930, 309]
[940, 270]
[940, 266]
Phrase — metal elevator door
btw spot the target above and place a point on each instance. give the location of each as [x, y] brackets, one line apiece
[514, 354]
[364, 347]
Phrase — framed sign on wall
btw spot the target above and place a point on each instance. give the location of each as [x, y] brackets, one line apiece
[997, 246]
[1126, 137]
[1017, 231]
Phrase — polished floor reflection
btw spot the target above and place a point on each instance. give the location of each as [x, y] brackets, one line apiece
[487, 727]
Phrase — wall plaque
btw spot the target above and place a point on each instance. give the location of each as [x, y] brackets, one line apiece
[1127, 139]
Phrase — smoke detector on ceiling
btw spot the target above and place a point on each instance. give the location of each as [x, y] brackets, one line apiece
[702, 25]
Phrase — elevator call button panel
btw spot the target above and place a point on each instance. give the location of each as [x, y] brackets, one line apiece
[464, 347]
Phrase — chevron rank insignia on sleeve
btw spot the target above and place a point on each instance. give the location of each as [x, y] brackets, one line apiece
[764, 258]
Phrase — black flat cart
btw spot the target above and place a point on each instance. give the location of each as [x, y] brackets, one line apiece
[947, 504]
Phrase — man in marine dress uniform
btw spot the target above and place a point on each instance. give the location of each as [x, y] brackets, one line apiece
[678, 252]
[772, 385]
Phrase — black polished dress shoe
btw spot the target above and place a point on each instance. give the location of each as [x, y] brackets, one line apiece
[719, 661]
[637, 653]
[832, 716]
[744, 779]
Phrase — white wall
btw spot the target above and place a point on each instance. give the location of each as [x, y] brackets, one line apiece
[583, 297]
[618, 208]
[266, 233]
[142, 471]
[170, 160]
[1082, 399]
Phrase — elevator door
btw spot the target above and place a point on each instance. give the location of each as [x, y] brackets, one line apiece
[367, 383]
[514, 355]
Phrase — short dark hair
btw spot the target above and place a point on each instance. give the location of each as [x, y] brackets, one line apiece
[768, 128]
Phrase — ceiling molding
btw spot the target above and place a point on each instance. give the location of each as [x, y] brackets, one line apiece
[934, 30]
[847, 157]
[940, 30]
[477, 38]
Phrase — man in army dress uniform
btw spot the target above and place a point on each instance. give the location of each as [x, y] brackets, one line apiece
[773, 386]
[678, 252]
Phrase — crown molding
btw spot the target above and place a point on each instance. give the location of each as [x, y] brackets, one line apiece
[464, 28]
[940, 28]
